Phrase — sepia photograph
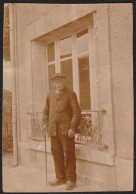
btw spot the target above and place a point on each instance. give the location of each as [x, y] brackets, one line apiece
[68, 106]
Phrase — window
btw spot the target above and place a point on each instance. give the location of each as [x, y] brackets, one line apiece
[51, 62]
[70, 55]
[82, 42]
[84, 83]
[84, 69]
[65, 58]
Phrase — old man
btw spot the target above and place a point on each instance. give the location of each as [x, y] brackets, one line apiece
[62, 116]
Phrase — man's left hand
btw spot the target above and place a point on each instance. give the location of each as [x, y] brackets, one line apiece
[44, 126]
[71, 133]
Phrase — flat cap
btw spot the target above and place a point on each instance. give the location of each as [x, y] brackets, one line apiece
[58, 75]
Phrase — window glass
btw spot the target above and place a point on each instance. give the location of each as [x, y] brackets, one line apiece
[66, 69]
[51, 52]
[51, 71]
[65, 47]
[84, 83]
[82, 41]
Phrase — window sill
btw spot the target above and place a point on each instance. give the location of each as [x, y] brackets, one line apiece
[90, 154]
[82, 152]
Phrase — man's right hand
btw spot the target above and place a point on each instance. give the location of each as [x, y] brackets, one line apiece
[44, 126]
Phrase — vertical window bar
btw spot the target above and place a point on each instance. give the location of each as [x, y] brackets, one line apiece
[95, 57]
[57, 54]
[92, 67]
[92, 63]
[75, 67]
[46, 61]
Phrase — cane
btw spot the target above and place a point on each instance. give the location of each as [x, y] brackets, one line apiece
[45, 158]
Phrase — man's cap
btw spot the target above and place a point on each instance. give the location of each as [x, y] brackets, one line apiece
[58, 75]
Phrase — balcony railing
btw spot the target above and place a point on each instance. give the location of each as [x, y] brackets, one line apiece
[37, 131]
[7, 136]
[90, 128]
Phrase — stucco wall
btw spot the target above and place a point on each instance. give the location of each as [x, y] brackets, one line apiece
[122, 76]
[120, 34]
[25, 15]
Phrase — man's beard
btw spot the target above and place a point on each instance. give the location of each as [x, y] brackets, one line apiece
[59, 90]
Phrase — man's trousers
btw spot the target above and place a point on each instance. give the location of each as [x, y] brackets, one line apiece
[63, 151]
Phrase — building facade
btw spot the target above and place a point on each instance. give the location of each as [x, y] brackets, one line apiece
[92, 45]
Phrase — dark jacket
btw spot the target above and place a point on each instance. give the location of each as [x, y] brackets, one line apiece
[62, 110]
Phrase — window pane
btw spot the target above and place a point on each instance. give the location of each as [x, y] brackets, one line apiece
[51, 71]
[82, 41]
[51, 52]
[84, 83]
[65, 47]
[66, 69]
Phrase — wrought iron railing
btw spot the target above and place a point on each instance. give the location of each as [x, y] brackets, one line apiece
[7, 135]
[7, 129]
[90, 128]
[89, 132]
[37, 131]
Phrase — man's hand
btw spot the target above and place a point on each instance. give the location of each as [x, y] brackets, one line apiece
[71, 133]
[44, 126]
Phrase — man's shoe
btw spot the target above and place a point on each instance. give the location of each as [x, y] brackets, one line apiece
[57, 182]
[70, 185]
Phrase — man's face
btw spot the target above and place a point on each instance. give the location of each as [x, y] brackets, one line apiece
[59, 84]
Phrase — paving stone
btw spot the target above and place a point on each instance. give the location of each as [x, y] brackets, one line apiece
[25, 179]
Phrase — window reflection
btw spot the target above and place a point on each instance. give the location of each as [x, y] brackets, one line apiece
[65, 47]
[66, 69]
[51, 52]
[84, 83]
[82, 41]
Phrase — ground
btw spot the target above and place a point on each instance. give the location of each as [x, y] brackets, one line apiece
[25, 179]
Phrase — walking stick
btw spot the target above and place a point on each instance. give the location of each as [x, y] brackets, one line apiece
[45, 159]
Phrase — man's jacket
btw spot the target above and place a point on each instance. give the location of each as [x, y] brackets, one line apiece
[61, 110]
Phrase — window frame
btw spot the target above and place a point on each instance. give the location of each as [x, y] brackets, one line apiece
[74, 57]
